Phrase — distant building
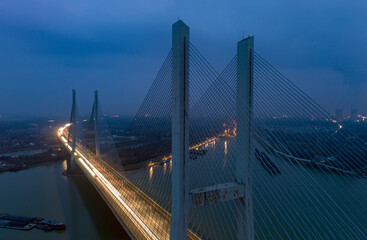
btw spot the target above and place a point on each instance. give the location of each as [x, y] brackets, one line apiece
[339, 115]
[353, 115]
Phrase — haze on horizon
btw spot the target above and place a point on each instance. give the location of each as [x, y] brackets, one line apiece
[49, 47]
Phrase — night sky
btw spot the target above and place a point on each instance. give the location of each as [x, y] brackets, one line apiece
[49, 47]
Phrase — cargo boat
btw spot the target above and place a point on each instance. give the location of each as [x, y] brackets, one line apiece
[27, 223]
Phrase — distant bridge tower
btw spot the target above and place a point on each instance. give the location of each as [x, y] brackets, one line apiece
[180, 131]
[72, 131]
[96, 126]
[245, 51]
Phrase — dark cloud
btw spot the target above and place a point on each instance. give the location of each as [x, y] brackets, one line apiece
[49, 47]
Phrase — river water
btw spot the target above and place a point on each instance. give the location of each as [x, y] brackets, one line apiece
[44, 192]
[295, 203]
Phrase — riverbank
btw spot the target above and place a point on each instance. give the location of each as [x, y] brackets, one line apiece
[22, 162]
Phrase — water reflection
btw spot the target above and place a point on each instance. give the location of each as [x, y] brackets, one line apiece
[64, 165]
[150, 173]
[164, 168]
[225, 148]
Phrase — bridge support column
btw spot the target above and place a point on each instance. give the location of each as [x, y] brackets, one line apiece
[72, 131]
[245, 220]
[180, 131]
[96, 122]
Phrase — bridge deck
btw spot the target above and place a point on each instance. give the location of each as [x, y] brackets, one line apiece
[140, 215]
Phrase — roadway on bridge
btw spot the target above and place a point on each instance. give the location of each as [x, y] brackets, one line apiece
[140, 215]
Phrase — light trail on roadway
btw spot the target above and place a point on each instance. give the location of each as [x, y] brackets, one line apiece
[140, 215]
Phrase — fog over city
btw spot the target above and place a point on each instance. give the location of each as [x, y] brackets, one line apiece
[49, 47]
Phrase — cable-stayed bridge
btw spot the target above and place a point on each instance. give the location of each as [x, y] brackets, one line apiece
[241, 154]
